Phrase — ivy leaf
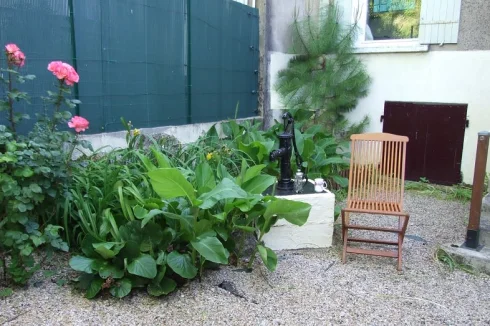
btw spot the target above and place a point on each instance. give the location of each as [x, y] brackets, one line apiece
[268, 257]
[165, 286]
[212, 249]
[181, 264]
[81, 264]
[121, 289]
[144, 266]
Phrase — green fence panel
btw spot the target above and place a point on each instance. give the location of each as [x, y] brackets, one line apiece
[42, 31]
[133, 52]
[153, 62]
[224, 60]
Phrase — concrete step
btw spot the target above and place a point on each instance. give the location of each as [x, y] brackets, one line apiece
[479, 260]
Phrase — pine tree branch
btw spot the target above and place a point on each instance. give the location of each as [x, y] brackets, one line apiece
[301, 37]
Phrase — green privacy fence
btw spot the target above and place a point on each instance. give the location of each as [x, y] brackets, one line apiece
[154, 62]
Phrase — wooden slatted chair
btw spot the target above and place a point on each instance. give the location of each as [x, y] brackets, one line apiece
[376, 184]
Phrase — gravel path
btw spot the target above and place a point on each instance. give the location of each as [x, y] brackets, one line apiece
[309, 287]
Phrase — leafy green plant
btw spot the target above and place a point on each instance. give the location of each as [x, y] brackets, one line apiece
[325, 79]
[459, 192]
[442, 256]
[34, 170]
[181, 225]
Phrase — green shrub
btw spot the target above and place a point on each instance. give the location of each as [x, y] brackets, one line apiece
[34, 171]
[159, 224]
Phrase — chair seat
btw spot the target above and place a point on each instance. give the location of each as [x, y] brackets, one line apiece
[376, 207]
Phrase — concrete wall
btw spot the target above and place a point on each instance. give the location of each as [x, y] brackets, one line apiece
[440, 77]
[458, 74]
[184, 133]
[474, 31]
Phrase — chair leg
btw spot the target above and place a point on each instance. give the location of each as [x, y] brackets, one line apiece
[401, 236]
[344, 236]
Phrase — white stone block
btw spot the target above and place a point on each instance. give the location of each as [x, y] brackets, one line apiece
[317, 232]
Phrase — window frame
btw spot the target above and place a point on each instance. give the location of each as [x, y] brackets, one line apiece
[359, 16]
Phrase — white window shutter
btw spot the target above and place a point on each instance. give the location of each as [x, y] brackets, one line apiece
[439, 21]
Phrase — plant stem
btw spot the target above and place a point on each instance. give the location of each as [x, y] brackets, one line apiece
[57, 105]
[193, 255]
[4, 267]
[68, 159]
[11, 103]
[252, 258]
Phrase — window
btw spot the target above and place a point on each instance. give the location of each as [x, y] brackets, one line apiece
[393, 19]
[405, 25]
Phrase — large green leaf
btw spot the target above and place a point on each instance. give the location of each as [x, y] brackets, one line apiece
[146, 162]
[181, 264]
[341, 181]
[308, 149]
[336, 160]
[87, 247]
[162, 160]
[257, 150]
[294, 212]
[223, 173]
[94, 288]
[81, 264]
[144, 266]
[108, 249]
[244, 228]
[110, 271]
[186, 222]
[204, 178]
[170, 183]
[253, 172]
[258, 184]
[203, 227]
[211, 249]
[121, 289]
[165, 286]
[149, 216]
[268, 257]
[224, 190]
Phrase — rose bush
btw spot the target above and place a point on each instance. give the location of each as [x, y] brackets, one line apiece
[34, 170]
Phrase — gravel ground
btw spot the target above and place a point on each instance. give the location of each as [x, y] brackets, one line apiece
[309, 287]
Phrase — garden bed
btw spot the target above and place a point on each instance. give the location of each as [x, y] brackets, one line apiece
[309, 287]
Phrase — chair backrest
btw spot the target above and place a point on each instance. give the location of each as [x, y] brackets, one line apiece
[377, 168]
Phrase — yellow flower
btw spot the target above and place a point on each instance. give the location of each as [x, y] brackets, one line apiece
[136, 132]
[209, 156]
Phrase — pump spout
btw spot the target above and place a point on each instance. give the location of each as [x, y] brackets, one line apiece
[275, 154]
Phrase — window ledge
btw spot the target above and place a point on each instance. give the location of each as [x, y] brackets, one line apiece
[390, 47]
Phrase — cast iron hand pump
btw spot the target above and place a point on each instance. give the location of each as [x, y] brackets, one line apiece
[286, 144]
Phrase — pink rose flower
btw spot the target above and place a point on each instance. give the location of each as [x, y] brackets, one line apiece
[78, 123]
[14, 55]
[17, 58]
[11, 48]
[64, 71]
